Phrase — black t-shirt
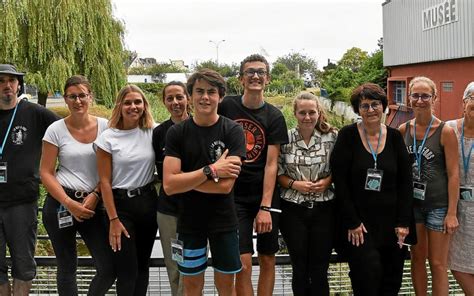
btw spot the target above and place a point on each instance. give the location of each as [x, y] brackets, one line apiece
[262, 127]
[166, 204]
[22, 151]
[196, 147]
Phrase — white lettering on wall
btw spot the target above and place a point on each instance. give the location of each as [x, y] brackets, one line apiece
[440, 14]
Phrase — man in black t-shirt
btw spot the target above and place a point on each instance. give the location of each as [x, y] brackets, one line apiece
[202, 162]
[256, 197]
[22, 126]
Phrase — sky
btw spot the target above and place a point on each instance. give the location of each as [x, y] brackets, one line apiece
[182, 29]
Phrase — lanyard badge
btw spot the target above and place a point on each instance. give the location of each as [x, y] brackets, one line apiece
[177, 250]
[64, 217]
[373, 180]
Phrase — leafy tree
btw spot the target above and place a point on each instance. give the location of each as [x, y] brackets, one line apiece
[224, 69]
[234, 87]
[353, 59]
[372, 70]
[278, 70]
[306, 64]
[54, 39]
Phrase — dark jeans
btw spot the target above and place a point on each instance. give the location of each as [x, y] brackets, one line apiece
[376, 270]
[308, 234]
[94, 234]
[138, 216]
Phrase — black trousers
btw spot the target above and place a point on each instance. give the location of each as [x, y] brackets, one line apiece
[376, 270]
[93, 232]
[132, 262]
[308, 234]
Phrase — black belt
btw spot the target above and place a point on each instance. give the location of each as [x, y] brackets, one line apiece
[76, 194]
[131, 193]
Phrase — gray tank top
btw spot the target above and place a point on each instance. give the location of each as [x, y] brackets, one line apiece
[433, 169]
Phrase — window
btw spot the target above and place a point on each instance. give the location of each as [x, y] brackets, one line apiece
[399, 92]
[447, 86]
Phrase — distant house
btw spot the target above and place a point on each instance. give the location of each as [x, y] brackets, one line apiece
[143, 62]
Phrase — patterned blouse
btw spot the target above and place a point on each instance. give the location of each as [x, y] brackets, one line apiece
[306, 162]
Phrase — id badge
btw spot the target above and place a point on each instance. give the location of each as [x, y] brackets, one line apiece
[419, 190]
[466, 193]
[373, 180]
[3, 172]
[64, 218]
[177, 250]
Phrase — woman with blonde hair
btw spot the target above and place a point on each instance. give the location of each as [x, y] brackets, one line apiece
[126, 160]
[461, 250]
[307, 218]
[434, 150]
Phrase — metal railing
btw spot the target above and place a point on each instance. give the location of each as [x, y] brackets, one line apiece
[45, 281]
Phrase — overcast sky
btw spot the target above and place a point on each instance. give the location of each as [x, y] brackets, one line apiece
[181, 29]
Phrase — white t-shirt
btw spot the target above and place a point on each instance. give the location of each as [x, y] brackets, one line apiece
[133, 158]
[77, 161]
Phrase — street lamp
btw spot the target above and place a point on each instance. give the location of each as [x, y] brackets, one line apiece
[217, 43]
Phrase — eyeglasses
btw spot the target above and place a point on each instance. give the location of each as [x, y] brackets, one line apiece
[251, 72]
[81, 96]
[469, 98]
[423, 97]
[365, 107]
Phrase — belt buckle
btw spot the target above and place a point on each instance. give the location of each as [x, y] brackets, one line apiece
[80, 194]
[133, 192]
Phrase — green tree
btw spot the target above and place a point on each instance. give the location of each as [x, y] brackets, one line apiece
[224, 69]
[353, 59]
[295, 59]
[54, 39]
[278, 70]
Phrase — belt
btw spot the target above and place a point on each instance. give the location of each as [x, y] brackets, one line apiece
[76, 193]
[131, 193]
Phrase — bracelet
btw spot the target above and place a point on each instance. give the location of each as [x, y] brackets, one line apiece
[270, 209]
[290, 184]
[96, 194]
[113, 219]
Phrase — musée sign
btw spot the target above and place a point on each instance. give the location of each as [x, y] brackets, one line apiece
[440, 14]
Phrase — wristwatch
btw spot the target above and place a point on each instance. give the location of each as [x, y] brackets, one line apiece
[208, 172]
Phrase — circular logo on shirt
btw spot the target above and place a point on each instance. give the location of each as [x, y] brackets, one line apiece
[254, 138]
[19, 134]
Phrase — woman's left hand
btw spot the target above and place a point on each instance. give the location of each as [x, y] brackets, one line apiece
[90, 202]
[450, 224]
[322, 185]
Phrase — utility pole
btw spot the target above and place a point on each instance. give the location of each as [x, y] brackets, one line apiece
[217, 43]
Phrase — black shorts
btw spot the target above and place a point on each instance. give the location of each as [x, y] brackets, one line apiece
[225, 255]
[267, 243]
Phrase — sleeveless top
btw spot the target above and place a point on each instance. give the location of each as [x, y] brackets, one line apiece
[433, 169]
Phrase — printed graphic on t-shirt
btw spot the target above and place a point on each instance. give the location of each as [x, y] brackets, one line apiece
[19, 134]
[254, 139]
[428, 170]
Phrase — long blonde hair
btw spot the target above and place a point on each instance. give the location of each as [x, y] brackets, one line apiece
[322, 125]
[116, 120]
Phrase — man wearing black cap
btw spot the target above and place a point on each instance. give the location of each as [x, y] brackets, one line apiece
[22, 126]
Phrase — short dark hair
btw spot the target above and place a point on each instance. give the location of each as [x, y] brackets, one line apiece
[254, 58]
[211, 76]
[370, 91]
[177, 83]
[77, 80]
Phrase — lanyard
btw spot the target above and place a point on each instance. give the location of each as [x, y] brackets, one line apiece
[465, 160]
[8, 131]
[374, 153]
[418, 154]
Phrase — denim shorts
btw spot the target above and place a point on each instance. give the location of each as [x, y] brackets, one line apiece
[433, 219]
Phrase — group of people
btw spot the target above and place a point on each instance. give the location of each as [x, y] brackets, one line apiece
[223, 167]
